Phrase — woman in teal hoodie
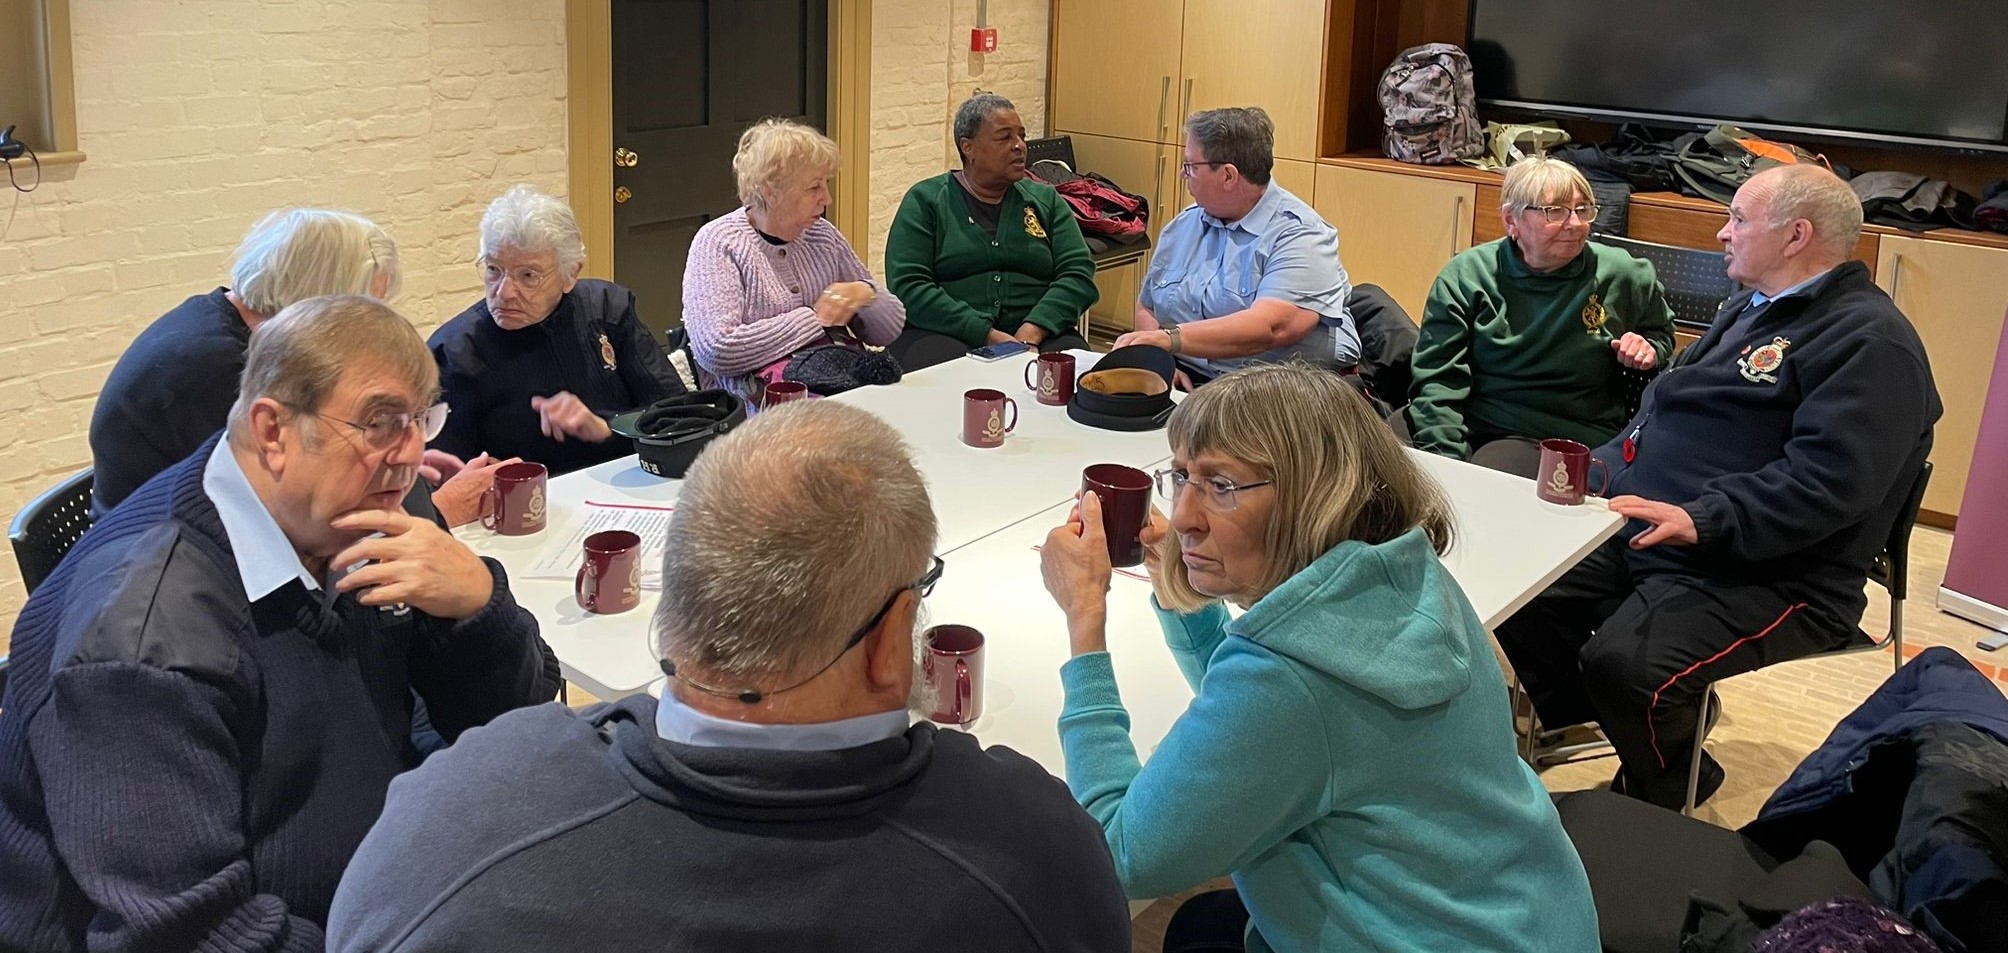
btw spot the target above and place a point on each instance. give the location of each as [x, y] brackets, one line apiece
[1349, 759]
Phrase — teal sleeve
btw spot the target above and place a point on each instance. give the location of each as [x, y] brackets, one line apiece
[1442, 373]
[1245, 766]
[1192, 637]
[1073, 289]
[909, 269]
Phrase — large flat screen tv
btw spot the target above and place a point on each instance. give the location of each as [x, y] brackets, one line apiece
[1922, 72]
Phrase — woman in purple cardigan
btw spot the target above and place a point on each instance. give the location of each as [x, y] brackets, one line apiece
[775, 277]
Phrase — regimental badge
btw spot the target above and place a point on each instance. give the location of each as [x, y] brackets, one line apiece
[1559, 482]
[534, 512]
[1760, 365]
[1032, 226]
[1594, 316]
[993, 429]
[607, 352]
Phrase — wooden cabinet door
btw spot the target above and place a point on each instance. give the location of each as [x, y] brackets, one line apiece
[1955, 296]
[1115, 68]
[1148, 169]
[1396, 231]
[1297, 178]
[1268, 54]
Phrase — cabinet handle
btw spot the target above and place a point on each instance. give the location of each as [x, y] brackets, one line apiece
[1157, 191]
[1185, 105]
[1456, 217]
[1895, 277]
[1163, 100]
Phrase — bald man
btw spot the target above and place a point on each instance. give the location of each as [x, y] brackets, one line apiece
[1761, 476]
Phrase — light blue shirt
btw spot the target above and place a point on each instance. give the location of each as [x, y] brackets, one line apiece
[1206, 268]
[266, 559]
[1758, 298]
[680, 723]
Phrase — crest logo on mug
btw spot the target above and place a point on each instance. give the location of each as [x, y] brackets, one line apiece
[534, 510]
[993, 429]
[1558, 482]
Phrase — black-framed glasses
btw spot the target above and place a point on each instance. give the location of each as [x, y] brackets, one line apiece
[383, 430]
[1185, 168]
[1557, 214]
[752, 696]
[1215, 493]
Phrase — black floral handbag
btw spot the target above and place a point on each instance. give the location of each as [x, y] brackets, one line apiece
[846, 362]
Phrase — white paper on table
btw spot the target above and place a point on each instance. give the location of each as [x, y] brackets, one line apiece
[562, 557]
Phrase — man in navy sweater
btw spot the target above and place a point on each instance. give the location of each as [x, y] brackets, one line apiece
[1761, 475]
[211, 693]
[779, 797]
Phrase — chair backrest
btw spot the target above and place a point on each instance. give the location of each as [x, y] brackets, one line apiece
[1891, 567]
[49, 525]
[1051, 147]
[1696, 281]
[1387, 342]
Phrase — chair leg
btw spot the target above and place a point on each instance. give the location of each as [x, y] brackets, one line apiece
[1694, 760]
[1896, 634]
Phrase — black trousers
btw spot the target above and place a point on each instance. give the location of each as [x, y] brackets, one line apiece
[1636, 651]
[915, 348]
[1213, 922]
[1520, 456]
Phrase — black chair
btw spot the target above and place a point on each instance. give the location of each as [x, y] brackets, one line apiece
[1696, 281]
[49, 525]
[1387, 343]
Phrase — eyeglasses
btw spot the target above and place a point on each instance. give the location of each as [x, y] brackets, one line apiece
[1185, 168]
[752, 696]
[383, 431]
[1557, 214]
[526, 278]
[1218, 494]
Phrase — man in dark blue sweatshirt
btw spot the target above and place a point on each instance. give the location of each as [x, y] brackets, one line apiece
[779, 796]
[1761, 475]
[211, 693]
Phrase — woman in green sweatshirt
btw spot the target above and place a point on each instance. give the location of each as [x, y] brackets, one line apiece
[1527, 337]
[983, 255]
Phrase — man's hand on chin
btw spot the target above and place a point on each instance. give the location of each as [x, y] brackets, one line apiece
[414, 562]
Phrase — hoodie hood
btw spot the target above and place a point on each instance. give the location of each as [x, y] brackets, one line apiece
[1386, 618]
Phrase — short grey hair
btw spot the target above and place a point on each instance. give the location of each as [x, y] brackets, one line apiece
[297, 253]
[1241, 136]
[773, 150]
[1820, 197]
[297, 358]
[789, 534]
[528, 221]
[974, 112]
[1534, 180]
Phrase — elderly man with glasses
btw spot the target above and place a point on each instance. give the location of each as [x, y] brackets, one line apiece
[781, 795]
[539, 367]
[1528, 337]
[211, 694]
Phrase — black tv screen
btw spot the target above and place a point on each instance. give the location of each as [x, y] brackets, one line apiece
[1931, 72]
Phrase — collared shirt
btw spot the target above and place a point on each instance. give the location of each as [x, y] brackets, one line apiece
[1759, 299]
[684, 725]
[1206, 268]
[266, 559]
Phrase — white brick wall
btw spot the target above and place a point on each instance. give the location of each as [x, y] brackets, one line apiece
[201, 115]
[922, 69]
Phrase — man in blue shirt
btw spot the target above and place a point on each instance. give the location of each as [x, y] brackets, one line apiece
[1247, 274]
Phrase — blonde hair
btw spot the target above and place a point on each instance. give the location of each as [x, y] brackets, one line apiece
[1338, 472]
[772, 151]
[1535, 180]
[297, 358]
[298, 253]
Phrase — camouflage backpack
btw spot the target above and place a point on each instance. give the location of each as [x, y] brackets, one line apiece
[1429, 108]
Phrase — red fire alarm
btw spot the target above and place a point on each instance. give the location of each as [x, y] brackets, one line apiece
[983, 39]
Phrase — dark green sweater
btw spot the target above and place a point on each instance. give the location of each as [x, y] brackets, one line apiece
[1506, 351]
[958, 281]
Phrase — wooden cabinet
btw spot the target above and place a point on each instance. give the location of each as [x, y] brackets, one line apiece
[1151, 170]
[1297, 178]
[1396, 231]
[1955, 295]
[1133, 69]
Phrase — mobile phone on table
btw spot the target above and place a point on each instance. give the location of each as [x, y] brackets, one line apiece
[1000, 350]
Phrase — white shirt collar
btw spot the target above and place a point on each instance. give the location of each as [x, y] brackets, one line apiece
[266, 559]
[684, 725]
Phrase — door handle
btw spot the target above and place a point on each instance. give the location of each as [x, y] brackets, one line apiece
[1895, 277]
[626, 159]
[1157, 191]
[1185, 104]
[621, 194]
[1456, 217]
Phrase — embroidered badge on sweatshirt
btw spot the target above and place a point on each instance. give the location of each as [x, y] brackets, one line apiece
[606, 352]
[1760, 366]
[1032, 226]
[1594, 316]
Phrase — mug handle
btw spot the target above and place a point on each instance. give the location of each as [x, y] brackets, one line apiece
[1030, 368]
[1013, 425]
[962, 692]
[490, 508]
[579, 591]
[1603, 485]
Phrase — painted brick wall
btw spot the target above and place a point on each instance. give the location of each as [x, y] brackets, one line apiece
[922, 69]
[201, 115]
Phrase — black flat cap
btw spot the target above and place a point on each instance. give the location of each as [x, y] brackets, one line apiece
[1128, 389]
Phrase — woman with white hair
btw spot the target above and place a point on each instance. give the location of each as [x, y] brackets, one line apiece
[775, 277]
[540, 365]
[1527, 337]
[173, 386]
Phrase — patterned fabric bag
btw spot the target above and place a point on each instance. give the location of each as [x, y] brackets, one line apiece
[845, 363]
[1429, 108]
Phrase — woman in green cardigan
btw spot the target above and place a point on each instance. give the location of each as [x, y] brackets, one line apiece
[983, 255]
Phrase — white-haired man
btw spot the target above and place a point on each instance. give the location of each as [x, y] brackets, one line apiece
[540, 366]
[1761, 476]
[211, 693]
[779, 797]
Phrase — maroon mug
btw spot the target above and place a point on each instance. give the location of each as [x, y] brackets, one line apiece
[1051, 376]
[610, 579]
[1565, 470]
[953, 665]
[1124, 493]
[514, 504]
[781, 392]
[983, 417]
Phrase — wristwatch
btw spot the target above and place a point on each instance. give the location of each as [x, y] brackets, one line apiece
[1171, 331]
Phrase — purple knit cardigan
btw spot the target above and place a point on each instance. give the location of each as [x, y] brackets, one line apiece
[747, 302]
